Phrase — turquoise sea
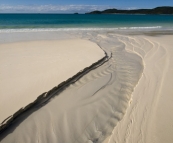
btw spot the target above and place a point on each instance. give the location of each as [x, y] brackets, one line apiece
[84, 21]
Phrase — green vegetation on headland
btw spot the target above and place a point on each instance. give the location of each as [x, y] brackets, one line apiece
[157, 10]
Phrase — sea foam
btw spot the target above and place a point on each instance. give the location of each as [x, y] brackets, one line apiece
[77, 29]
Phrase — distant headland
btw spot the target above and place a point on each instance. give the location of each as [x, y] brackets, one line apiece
[157, 10]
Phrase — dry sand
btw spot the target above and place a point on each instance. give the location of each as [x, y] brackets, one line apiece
[27, 69]
[149, 118]
[110, 104]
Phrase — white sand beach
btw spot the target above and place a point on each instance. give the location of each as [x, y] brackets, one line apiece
[128, 99]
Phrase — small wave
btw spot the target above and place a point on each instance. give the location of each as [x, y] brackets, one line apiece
[74, 29]
[152, 27]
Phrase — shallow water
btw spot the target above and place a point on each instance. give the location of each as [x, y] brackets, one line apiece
[66, 21]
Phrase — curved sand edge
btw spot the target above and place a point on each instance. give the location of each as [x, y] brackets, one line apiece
[89, 109]
[46, 96]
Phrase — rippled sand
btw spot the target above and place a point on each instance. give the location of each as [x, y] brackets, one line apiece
[149, 116]
[116, 102]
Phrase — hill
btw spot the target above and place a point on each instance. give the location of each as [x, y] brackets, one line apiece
[157, 10]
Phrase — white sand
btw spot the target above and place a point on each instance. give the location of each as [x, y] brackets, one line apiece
[27, 69]
[89, 110]
[149, 119]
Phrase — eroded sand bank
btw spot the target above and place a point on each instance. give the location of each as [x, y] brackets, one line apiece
[88, 110]
[27, 69]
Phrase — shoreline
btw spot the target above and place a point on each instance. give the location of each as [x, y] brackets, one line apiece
[141, 28]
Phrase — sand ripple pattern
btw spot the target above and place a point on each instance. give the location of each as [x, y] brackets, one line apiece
[88, 110]
[134, 128]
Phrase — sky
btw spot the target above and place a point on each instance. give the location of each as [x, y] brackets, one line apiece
[71, 6]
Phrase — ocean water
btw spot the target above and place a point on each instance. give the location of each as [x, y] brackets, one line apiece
[53, 22]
